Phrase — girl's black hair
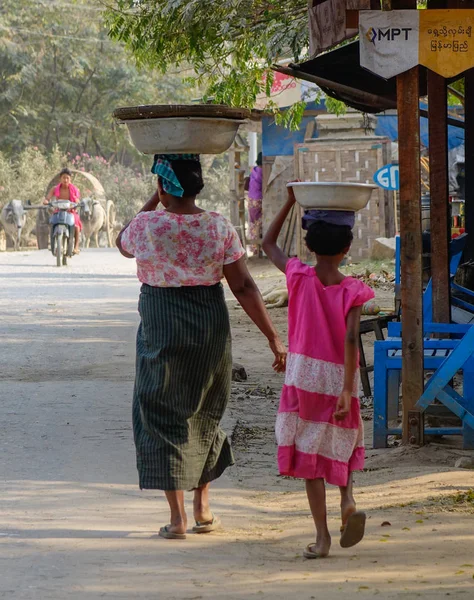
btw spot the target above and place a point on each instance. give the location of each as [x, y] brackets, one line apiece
[327, 239]
[259, 159]
[189, 174]
[65, 171]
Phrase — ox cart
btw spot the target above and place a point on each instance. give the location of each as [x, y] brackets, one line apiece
[90, 187]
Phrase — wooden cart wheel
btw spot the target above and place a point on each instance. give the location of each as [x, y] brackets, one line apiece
[110, 222]
[42, 229]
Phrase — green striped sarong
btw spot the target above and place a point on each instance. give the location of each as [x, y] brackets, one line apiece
[182, 386]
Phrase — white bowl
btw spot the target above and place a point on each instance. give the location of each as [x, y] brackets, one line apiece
[183, 135]
[318, 195]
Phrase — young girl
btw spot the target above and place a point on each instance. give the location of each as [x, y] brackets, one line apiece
[319, 429]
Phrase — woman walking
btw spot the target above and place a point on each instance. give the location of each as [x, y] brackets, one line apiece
[319, 428]
[184, 362]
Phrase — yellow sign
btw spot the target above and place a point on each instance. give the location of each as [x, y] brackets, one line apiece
[446, 42]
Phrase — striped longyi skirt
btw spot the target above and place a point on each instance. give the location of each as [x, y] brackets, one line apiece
[182, 386]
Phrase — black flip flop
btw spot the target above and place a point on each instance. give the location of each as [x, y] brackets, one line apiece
[353, 531]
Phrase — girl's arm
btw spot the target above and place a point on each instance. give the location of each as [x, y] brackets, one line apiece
[149, 206]
[270, 241]
[248, 295]
[351, 354]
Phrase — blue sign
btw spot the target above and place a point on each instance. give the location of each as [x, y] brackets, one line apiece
[388, 177]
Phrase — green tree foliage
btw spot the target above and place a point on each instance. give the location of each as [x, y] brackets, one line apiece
[61, 77]
[230, 44]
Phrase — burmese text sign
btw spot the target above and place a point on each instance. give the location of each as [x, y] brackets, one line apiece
[392, 42]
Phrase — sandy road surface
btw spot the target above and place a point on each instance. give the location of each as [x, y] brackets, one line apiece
[73, 523]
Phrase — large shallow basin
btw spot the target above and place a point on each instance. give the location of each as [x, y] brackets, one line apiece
[181, 128]
[183, 135]
[332, 196]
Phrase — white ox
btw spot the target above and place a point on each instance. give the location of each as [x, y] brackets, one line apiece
[13, 219]
[93, 218]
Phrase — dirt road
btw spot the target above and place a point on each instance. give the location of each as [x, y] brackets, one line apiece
[74, 525]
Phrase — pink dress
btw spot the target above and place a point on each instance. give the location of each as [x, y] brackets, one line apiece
[311, 443]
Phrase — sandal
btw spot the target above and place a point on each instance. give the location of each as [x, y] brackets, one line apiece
[353, 531]
[170, 535]
[309, 553]
[208, 526]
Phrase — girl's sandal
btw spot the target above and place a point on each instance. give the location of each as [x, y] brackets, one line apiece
[170, 535]
[353, 531]
[309, 553]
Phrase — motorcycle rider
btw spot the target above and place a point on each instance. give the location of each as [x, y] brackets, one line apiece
[67, 191]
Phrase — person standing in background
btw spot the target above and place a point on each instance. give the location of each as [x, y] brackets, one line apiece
[253, 186]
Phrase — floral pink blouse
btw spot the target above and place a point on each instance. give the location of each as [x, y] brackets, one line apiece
[181, 250]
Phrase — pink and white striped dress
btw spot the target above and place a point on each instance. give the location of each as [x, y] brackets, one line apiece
[311, 443]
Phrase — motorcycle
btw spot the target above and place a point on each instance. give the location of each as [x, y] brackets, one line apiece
[62, 230]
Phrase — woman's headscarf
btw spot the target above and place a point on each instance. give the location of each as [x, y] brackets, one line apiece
[164, 169]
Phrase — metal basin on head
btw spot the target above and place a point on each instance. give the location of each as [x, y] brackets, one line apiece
[182, 129]
[319, 195]
[183, 135]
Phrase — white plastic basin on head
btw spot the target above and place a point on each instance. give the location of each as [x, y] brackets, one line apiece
[183, 135]
[332, 195]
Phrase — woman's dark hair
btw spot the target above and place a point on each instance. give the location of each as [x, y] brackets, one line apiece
[259, 159]
[65, 171]
[327, 239]
[189, 174]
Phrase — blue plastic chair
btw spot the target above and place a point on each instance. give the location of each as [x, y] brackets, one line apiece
[438, 355]
[439, 386]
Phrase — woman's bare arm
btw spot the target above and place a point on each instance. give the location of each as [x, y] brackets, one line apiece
[248, 295]
[118, 243]
[152, 203]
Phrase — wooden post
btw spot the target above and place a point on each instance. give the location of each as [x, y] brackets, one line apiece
[240, 192]
[469, 164]
[408, 94]
[439, 194]
[395, 212]
[234, 203]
